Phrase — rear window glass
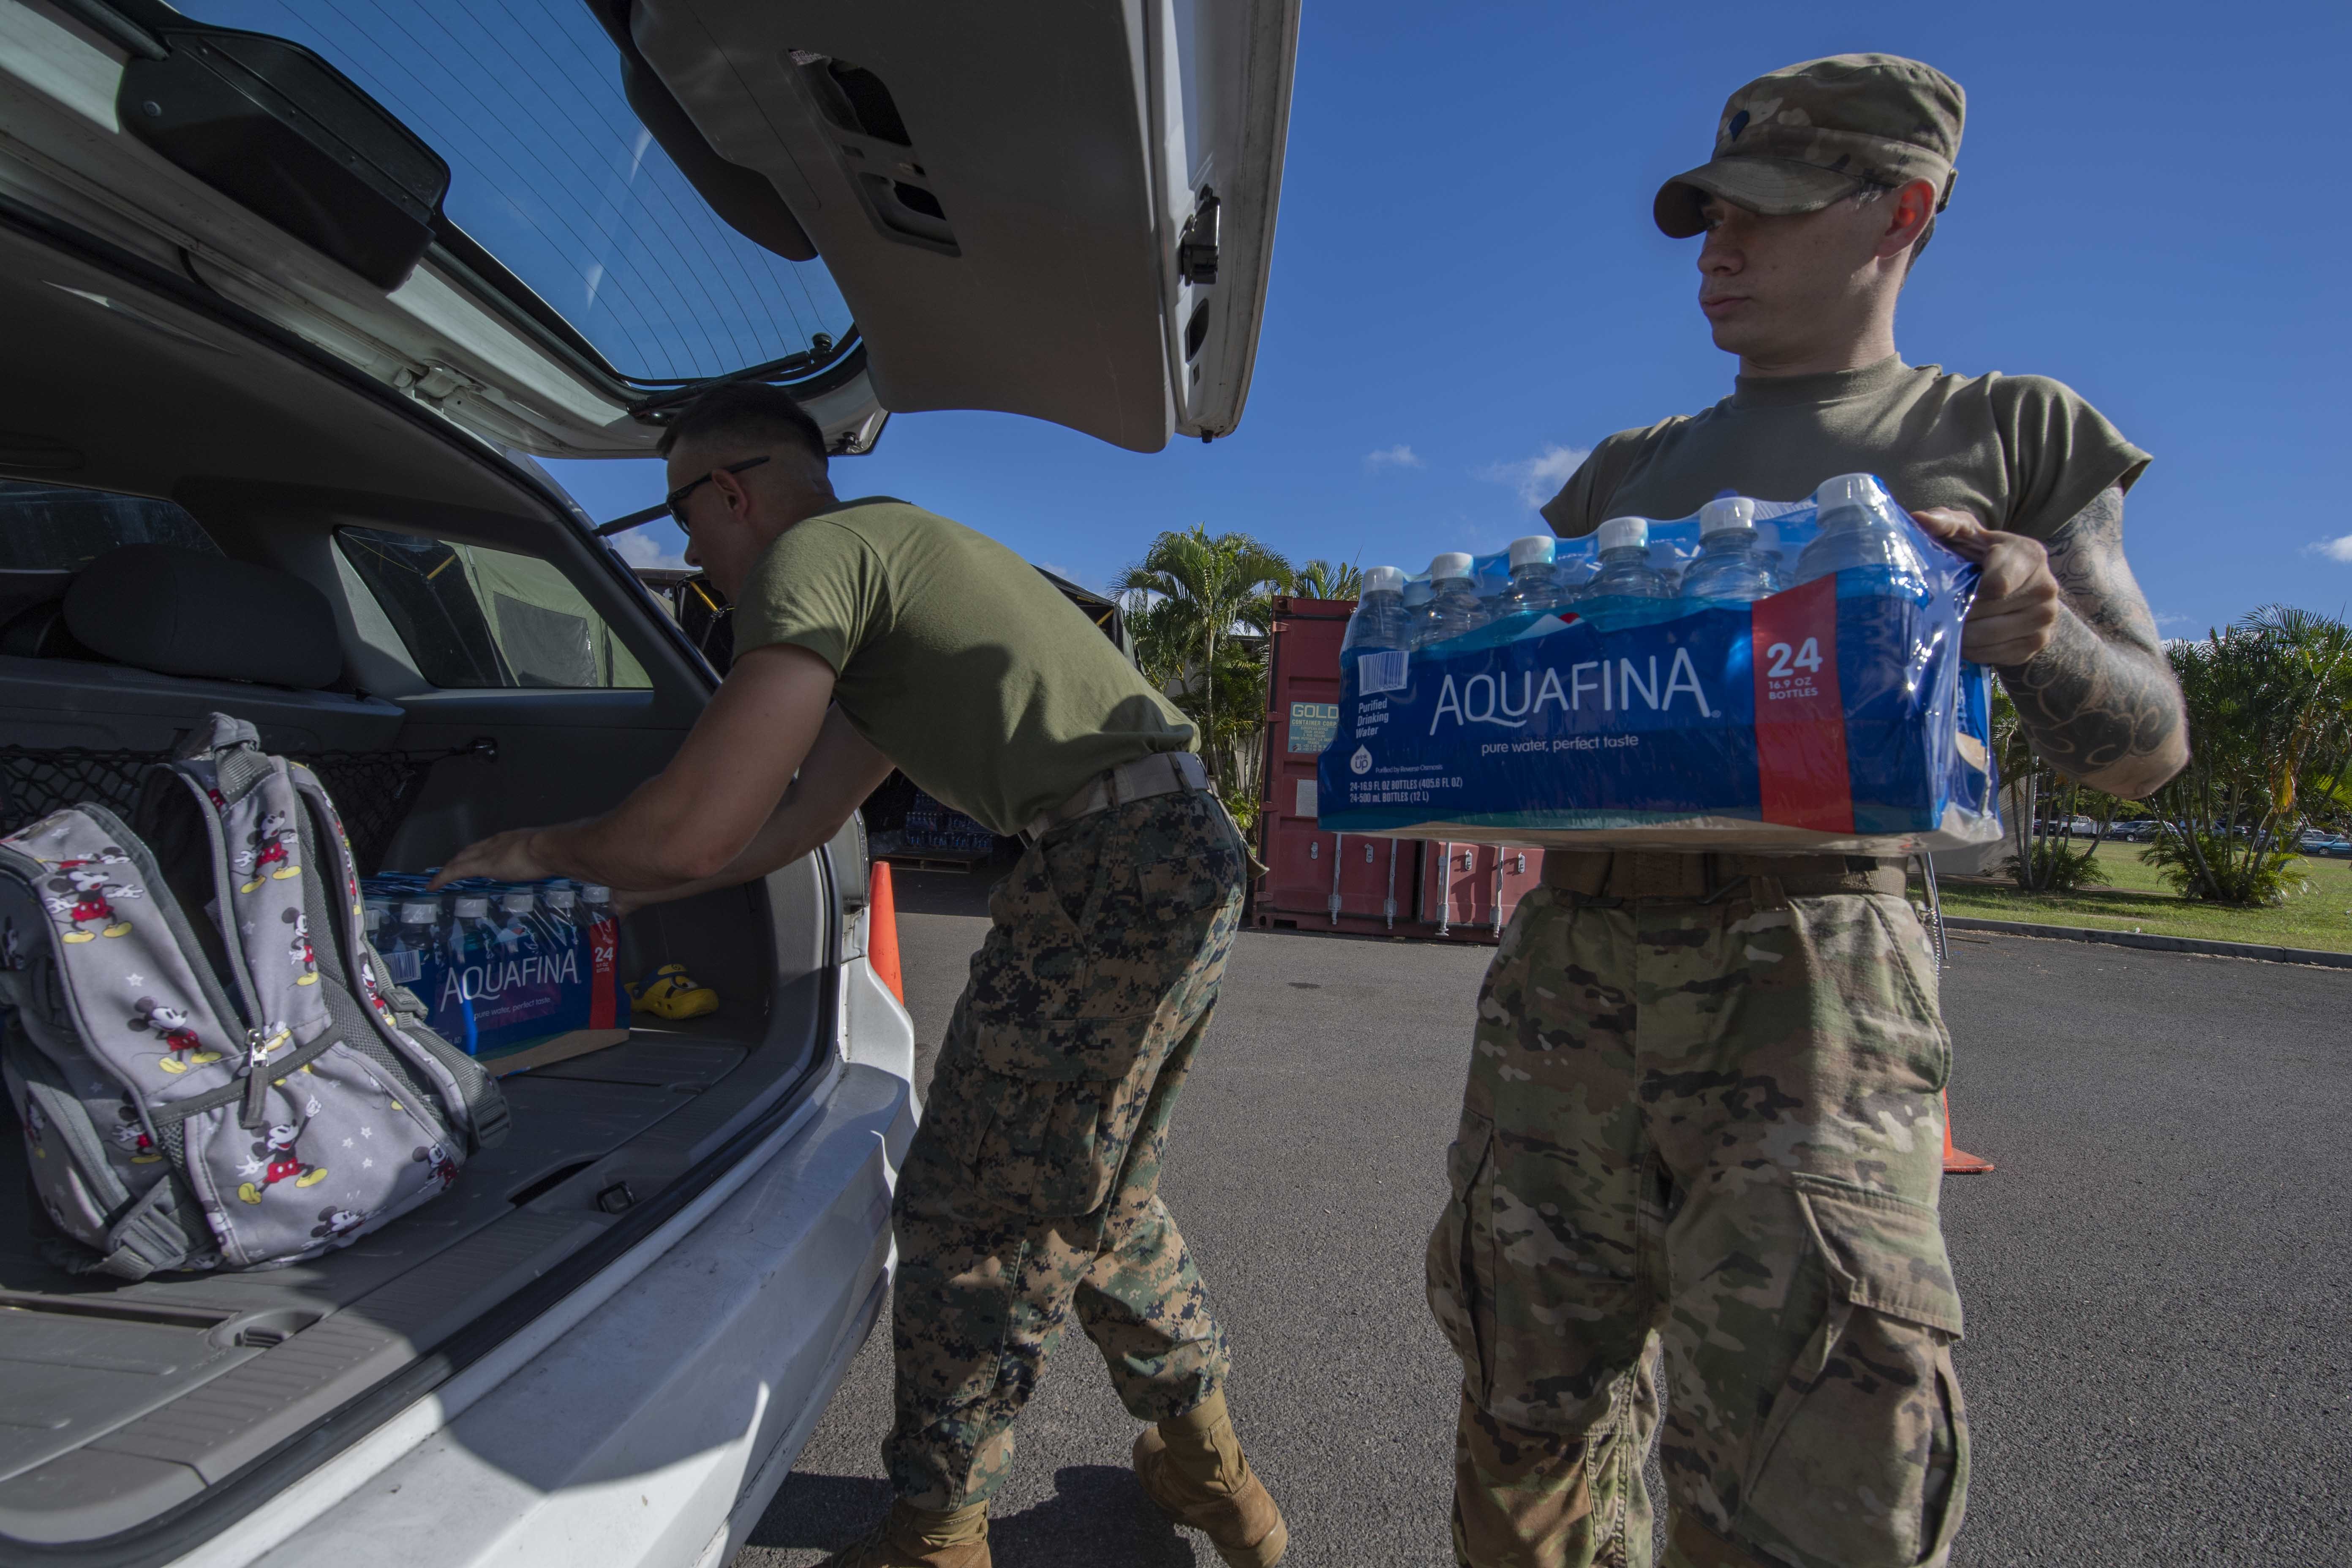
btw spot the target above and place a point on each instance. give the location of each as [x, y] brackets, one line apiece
[61, 528]
[551, 171]
[471, 616]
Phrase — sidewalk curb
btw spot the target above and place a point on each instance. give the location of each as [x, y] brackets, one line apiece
[2257, 951]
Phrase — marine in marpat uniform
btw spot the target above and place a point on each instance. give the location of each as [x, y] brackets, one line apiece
[1701, 1140]
[869, 634]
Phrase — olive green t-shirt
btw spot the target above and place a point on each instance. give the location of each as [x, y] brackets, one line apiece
[956, 658]
[2021, 453]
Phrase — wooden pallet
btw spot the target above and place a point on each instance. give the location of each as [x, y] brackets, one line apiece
[938, 860]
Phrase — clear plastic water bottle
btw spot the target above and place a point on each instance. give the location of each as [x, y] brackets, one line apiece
[1535, 587]
[472, 945]
[595, 903]
[516, 926]
[415, 939]
[472, 933]
[1860, 531]
[563, 902]
[1730, 565]
[1625, 570]
[1452, 607]
[1379, 622]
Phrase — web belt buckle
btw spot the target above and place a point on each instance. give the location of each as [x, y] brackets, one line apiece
[1661, 874]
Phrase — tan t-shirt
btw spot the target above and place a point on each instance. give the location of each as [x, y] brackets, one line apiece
[956, 658]
[2021, 453]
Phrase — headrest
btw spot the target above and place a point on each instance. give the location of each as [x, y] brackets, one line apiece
[188, 612]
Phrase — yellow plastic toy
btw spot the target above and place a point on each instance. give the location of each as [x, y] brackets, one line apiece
[670, 993]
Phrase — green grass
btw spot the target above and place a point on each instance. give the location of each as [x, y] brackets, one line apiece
[2320, 918]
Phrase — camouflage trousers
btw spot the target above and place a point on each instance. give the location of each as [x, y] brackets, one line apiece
[1031, 1190]
[1701, 1140]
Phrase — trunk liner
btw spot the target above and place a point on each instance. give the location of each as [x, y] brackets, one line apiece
[121, 1399]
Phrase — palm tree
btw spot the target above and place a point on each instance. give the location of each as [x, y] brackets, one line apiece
[1191, 590]
[1162, 640]
[2270, 721]
[1325, 580]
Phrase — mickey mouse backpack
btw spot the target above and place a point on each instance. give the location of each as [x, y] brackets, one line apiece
[212, 1069]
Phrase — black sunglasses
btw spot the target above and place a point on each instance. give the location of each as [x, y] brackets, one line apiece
[676, 500]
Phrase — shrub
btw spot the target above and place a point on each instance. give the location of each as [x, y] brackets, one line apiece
[2220, 869]
[1244, 803]
[2052, 868]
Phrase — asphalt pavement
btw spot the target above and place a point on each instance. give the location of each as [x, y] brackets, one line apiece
[2158, 1278]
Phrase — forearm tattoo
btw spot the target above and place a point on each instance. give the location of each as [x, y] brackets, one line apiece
[2100, 703]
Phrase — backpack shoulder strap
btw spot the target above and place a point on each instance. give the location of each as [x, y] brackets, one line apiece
[252, 817]
[470, 1097]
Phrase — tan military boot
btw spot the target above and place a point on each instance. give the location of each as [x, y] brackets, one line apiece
[1193, 1469]
[911, 1537]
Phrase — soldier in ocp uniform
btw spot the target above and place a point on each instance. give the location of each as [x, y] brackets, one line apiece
[1701, 1139]
[868, 634]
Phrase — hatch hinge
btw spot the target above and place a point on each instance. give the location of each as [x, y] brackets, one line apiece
[432, 384]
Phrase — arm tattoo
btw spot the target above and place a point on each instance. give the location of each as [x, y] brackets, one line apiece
[2100, 703]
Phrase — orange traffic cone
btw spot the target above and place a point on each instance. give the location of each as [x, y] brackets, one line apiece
[882, 931]
[1956, 1162]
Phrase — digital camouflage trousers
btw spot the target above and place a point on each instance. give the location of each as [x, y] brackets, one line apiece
[1031, 1190]
[1701, 1140]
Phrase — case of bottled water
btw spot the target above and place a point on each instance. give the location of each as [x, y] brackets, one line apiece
[499, 967]
[1763, 676]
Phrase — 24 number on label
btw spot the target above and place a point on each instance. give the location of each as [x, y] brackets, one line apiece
[1786, 662]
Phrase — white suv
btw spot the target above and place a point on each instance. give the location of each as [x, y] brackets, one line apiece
[309, 287]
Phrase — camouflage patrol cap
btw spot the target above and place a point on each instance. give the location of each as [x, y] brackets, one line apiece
[1803, 136]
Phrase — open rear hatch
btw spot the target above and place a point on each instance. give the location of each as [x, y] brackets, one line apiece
[1062, 209]
[552, 224]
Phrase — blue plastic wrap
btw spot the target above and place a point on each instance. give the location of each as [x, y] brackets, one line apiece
[1834, 716]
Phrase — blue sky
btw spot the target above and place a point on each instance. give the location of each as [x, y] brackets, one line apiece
[1467, 287]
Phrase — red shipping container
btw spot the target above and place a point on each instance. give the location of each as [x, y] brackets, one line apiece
[1338, 881]
[1318, 880]
[1307, 880]
[1472, 891]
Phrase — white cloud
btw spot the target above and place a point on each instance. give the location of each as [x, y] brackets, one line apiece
[639, 548]
[1397, 456]
[1537, 478]
[2335, 549]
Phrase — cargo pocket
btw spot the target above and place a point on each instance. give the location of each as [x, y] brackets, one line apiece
[1458, 1280]
[1169, 909]
[1864, 1454]
[1188, 859]
[1914, 965]
[1058, 1104]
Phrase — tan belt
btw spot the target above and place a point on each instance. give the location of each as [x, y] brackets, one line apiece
[1162, 773]
[1657, 874]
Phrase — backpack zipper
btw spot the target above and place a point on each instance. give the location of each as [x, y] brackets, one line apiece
[256, 1082]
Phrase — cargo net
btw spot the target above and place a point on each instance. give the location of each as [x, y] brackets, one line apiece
[372, 790]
